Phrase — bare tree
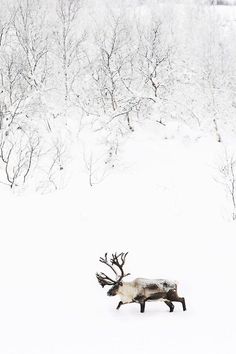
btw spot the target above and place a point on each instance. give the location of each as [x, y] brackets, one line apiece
[153, 58]
[112, 72]
[95, 166]
[68, 42]
[227, 177]
[215, 78]
[4, 28]
[29, 27]
[19, 154]
[56, 163]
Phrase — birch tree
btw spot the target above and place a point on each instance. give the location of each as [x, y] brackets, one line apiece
[154, 56]
[68, 43]
[113, 92]
[30, 31]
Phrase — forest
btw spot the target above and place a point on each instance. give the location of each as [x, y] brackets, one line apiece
[77, 79]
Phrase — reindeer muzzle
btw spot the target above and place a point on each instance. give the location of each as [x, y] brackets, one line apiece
[110, 293]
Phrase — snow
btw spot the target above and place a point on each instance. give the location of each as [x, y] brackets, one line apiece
[162, 202]
[164, 207]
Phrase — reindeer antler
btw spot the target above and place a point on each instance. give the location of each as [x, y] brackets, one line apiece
[103, 279]
[119, 261]
[105, 261]
[116, 260]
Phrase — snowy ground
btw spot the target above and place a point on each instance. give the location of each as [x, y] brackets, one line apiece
[164, 207]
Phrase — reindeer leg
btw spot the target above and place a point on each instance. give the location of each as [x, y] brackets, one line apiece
[173, 296]
[182, 300]
[141, 300]
[119, 305]
[170, 305]
[183, 303]
[142, 307]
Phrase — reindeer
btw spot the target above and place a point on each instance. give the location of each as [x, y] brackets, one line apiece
[140, 290]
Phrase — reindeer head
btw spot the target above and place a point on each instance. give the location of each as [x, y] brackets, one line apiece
[116, 264]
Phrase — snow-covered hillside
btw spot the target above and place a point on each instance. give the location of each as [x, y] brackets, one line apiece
[77, 73]
[126, 112]
[165, 208]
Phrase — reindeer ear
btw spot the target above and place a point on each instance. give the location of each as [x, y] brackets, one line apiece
[120, 283]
